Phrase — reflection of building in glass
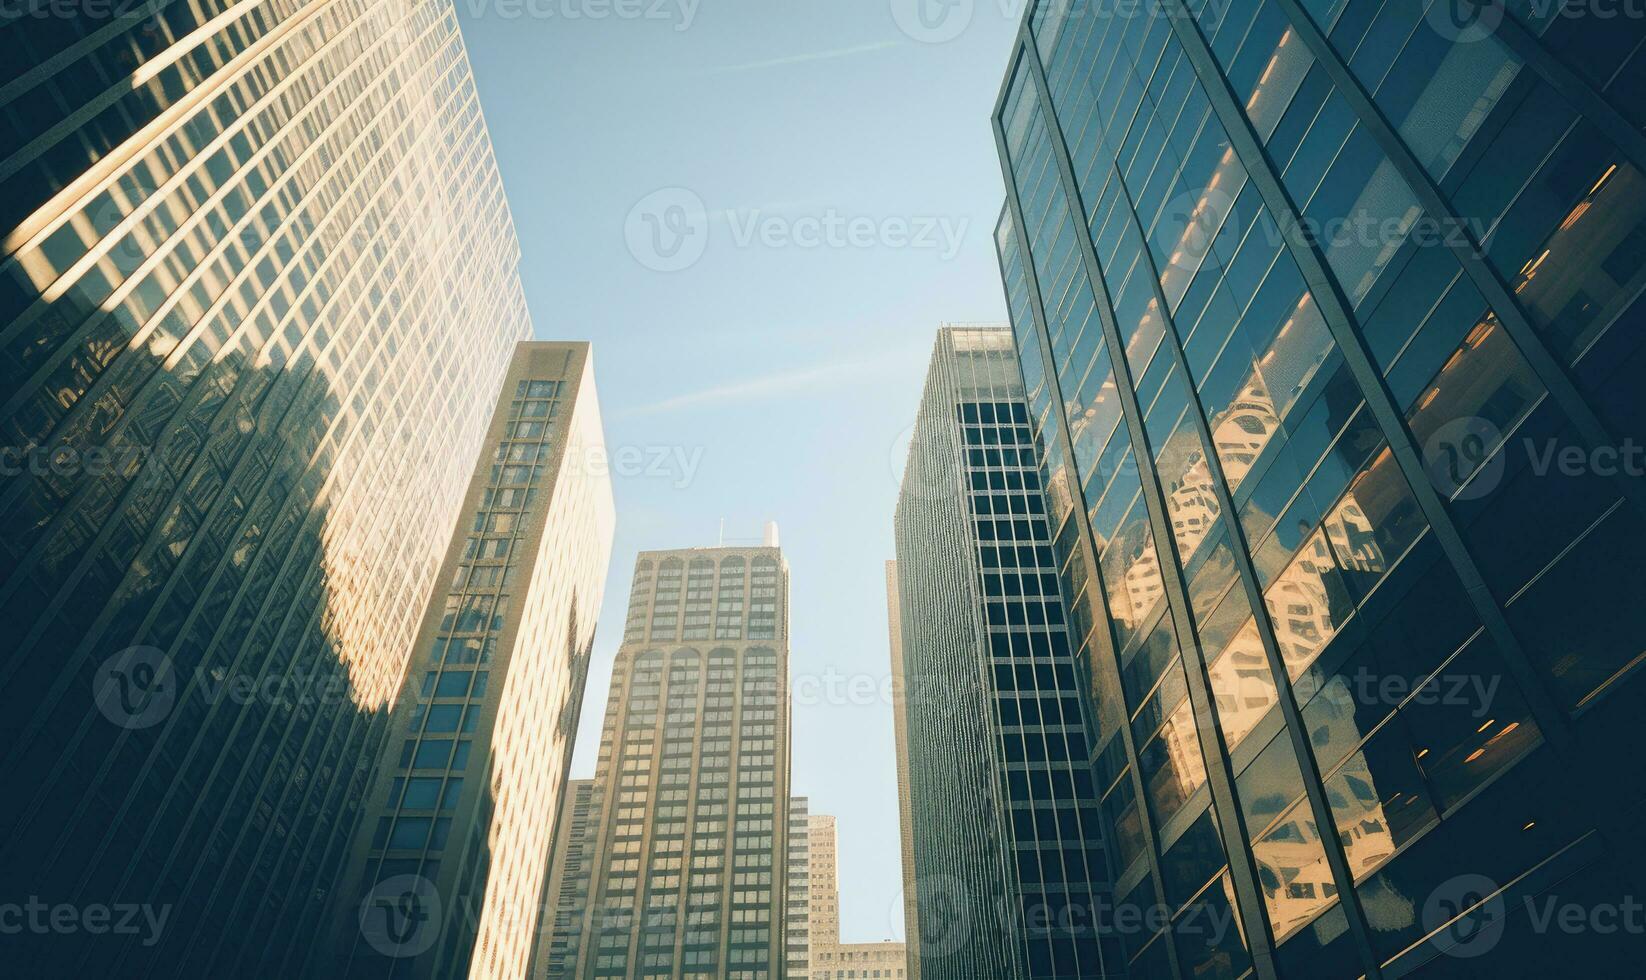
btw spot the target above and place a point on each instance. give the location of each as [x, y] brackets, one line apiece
[1285, 401]
[1009, 867]
[690, 856]
[257, 271]
[481, 736]
[1241, 431]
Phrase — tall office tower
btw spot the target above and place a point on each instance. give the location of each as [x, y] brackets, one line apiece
[905, 808]
[1009, 859]
[257, 290]
[832, 959]
[447, 872]
[822, 847]
[1306, 296]
[691, 855]
[797, 914]
[566, 899]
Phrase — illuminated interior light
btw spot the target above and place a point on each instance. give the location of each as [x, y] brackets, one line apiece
[1267, 71]
[1577, 212]
[1604, 178]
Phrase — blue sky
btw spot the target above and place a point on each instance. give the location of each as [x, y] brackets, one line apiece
[822, 185]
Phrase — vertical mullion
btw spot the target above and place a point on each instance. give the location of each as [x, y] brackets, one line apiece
[1105, 658]
[1219, 777]
[1336, 310]
[1313, 783]
[1571, 86]
[1461, 242]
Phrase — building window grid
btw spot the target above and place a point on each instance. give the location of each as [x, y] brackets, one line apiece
[528, 426]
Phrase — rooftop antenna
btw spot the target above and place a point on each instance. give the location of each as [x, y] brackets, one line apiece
[722, 542]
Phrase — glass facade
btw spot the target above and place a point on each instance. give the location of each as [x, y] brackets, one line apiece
[481, 735]
[1010, 867]
[257, 294]
[691, 854]
[1306, 295]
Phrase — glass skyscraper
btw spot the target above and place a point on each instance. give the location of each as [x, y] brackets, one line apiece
[1308, 296]
[449, 866]
[689, 864]
[257, 295]
[1010, 869]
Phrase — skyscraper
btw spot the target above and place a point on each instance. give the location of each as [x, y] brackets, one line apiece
[1010, 866]
[447, 875]
[822, 853]
[691, 855]
[830, 958]
[1305, 296]
[905, 806]
[797, 913]
[570, 878]
[257, 294]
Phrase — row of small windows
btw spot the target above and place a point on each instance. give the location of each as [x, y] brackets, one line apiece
[989, 413]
